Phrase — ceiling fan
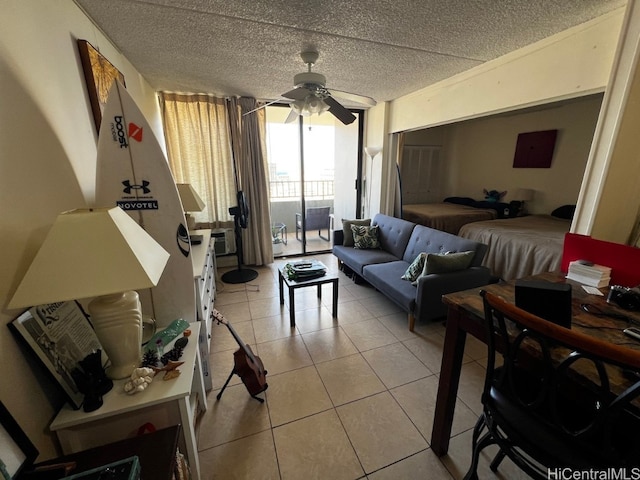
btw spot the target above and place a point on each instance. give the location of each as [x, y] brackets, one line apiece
[312, 97]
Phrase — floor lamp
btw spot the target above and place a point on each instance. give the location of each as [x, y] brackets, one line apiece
[371, 152]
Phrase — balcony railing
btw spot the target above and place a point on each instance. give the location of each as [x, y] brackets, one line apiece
[291, 189]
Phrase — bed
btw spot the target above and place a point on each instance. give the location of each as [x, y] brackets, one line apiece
[521, 246]
[448, 217]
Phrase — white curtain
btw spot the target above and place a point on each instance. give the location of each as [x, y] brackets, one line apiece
[209, 141]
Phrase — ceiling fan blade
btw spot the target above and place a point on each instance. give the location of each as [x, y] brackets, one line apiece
[353, 97]
[260, 107]
[338, 111]
[291, 117]
[299, 93]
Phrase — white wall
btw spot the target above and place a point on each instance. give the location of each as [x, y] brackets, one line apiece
[47, 165]
[479, 154]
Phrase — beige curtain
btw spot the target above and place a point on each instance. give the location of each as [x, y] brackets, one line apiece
[249, 152]
[199, 149]
[207, 139]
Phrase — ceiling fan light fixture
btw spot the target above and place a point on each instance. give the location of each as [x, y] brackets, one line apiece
[311, 104]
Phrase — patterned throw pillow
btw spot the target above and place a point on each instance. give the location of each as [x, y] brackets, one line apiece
[415, 269]
[365, 237]
[347, 240]
[450, 262]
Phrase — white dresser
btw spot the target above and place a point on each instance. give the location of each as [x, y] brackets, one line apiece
[204, 274]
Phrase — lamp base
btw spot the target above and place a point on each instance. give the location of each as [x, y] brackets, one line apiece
[117, 321]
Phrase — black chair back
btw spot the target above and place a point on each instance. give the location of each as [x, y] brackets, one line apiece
[554, 397]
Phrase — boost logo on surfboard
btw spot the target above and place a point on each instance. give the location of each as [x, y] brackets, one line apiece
[118, 128]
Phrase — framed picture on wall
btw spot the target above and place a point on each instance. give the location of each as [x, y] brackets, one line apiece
[535, 149]
[99, 74]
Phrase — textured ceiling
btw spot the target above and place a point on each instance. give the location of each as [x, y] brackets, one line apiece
[379, 48]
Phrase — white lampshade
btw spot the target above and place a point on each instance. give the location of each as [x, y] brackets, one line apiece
[191, 201]
[372, 151]
[91, 252]
[523, 194]
[102, 253]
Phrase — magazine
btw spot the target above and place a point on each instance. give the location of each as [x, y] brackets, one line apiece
[60, 335]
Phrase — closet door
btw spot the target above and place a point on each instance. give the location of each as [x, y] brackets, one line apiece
[421, 173]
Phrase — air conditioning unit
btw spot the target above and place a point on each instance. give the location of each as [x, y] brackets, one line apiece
[224, 241]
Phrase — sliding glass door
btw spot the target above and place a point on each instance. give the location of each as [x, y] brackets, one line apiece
[313, 172]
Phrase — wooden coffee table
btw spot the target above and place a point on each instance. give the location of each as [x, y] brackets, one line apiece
[294, 284]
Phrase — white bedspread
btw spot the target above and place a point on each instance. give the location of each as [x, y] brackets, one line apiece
[519, 247]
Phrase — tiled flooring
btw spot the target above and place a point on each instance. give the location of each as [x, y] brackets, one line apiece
[348, 398]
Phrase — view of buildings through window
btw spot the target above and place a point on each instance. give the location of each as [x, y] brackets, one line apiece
[327, 162]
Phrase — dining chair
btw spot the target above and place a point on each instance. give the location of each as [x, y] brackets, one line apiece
[554, 397]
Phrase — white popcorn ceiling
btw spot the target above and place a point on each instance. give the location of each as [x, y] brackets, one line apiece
[379, 48]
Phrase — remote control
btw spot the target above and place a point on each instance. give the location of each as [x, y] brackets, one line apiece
[632, 332]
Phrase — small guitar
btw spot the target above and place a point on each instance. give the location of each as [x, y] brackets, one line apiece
[246, 365]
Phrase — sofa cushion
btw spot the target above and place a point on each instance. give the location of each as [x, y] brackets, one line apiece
[415, 269]
[430, 240]
[356, 258]
[347, 240]
[394, 234]
[380, 275]
[365, 237]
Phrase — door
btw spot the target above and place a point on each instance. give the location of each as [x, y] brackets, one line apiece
[313, 167]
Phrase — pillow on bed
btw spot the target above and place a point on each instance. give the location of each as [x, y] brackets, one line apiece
[449, 262]
[459, 200]
[346, 230]
[415, 269]
[365, 237]
[565, 211]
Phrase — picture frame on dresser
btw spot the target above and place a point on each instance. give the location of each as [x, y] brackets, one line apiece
[59, 335]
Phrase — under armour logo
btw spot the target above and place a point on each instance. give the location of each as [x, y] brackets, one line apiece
[129, 187]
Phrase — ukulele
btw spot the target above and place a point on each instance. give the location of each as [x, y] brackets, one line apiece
[246, 365]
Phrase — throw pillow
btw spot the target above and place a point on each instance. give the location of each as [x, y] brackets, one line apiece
[346, 230]
[365, 237]
[451, 262]
[447, 263]
[415, 269]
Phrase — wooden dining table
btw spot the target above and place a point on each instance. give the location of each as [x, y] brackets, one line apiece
[465, 314]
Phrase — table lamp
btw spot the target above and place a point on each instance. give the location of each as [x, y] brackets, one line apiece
[191, 202]
[101, 253]
[523, 195]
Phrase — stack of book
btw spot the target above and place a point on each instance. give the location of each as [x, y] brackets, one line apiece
[305, 269]
[592, 275]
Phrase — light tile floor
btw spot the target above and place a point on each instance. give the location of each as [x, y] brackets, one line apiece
[348, 398]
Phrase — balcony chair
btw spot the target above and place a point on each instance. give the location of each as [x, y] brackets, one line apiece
[560, 398]
[316, 218]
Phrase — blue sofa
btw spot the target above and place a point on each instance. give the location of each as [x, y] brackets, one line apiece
[400, 243]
